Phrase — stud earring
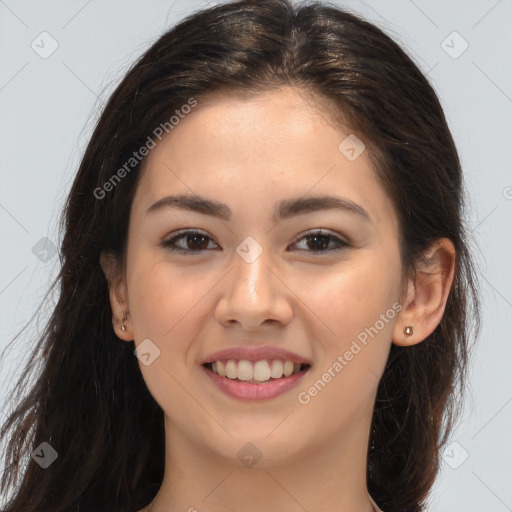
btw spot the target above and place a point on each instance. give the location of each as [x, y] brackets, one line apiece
[123, 327]
[408, 330]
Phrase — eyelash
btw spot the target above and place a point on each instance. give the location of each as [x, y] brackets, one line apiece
[170, 244]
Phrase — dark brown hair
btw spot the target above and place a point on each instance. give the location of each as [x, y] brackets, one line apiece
[90, 401]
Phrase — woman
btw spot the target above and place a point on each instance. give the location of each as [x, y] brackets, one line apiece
[269, 216]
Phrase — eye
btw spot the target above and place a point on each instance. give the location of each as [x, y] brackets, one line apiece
[319, 242]
[192, 240]
[195, 241]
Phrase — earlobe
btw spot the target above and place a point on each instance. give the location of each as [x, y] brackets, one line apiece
[409, 330]
[424, 305]
[118, 297]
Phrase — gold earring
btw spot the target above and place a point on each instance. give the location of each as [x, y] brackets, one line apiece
[408, 330]
[123, 327]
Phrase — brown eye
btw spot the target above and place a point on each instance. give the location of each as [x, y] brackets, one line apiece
[318, 242]
[190, 241]
[194, 241]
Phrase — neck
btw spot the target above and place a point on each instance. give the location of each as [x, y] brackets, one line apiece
[327, 477]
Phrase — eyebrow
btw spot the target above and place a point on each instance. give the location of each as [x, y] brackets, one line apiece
[284, 209]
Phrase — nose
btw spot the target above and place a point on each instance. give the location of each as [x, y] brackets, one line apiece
[253, 296]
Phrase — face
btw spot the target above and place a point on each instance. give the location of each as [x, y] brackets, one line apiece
[251, 274]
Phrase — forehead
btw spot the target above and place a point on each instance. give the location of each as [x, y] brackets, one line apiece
[262, 129]
[243, 148]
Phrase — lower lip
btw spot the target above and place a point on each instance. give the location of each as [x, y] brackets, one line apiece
[250, 391]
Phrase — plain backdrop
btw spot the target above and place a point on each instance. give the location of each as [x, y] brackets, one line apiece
[59, 60]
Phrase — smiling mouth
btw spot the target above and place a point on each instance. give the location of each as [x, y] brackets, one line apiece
[259, 372]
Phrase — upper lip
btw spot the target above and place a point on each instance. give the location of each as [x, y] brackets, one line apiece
[255, 354]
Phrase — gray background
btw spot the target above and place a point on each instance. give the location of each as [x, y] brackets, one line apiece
[49, 105]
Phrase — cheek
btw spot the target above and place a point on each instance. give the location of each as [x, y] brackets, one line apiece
[354, 338]
[163, 301]
[354, 298]
[159, 294]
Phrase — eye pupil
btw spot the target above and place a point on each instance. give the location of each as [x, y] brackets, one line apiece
[199, 245]
[320, 242]
[190, 241]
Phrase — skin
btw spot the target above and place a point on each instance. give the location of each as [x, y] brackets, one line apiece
[250, 153]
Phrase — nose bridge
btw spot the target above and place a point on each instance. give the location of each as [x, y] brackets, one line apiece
[253, 294]
[252, 276]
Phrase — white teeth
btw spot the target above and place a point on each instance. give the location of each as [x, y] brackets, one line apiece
[221, 369]
[260, 371]
[287, 368]
[231, 369]
[244, 370]
[277, 369]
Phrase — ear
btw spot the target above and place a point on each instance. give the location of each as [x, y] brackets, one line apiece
[427, 293]
[111, 267]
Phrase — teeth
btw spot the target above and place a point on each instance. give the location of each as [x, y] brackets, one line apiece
[287, 368]
[277, 369]
[231, 369]
[260, 371]
[221, 369]
[244, 370]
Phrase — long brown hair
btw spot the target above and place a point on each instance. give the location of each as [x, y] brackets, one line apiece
[90, 401]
